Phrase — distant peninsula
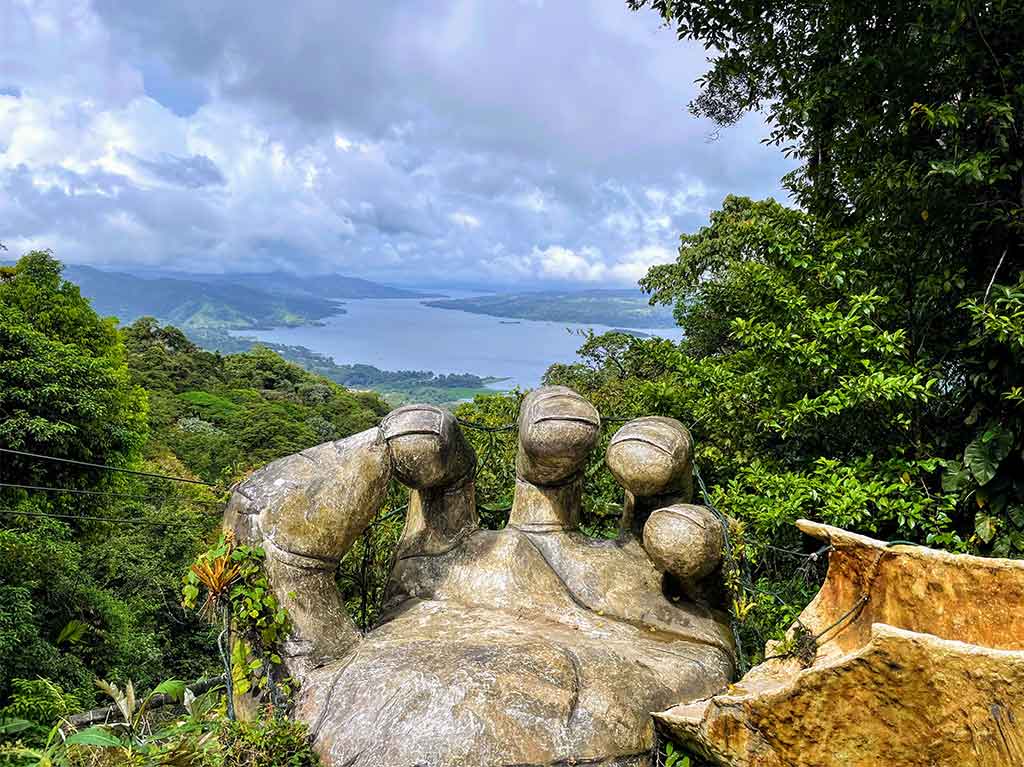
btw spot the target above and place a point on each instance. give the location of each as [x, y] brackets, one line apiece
[225, 301]
[627, 308]
[398, 387]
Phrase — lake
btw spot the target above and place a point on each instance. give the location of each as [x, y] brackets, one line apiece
[403, 334]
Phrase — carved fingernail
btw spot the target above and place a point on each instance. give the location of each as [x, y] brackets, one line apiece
[557, 430]
[427, 446]
[650, 456]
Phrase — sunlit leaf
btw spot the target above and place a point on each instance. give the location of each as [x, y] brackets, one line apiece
[95, 736]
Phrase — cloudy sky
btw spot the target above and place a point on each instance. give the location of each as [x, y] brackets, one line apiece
[414, 141]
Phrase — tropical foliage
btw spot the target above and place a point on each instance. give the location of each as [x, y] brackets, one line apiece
[856, 358]
[194, 734]
[91, 559]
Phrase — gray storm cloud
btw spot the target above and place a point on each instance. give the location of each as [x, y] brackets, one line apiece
[471, 140]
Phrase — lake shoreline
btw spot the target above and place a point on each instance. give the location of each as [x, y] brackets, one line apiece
[395, 335]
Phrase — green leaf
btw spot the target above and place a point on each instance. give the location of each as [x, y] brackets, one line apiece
[985, 527]
[172, 688]
[956, 477]
[73, 632]
[984, 454]
[95, 736]
[11, 726]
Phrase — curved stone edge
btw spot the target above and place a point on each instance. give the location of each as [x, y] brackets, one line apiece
[953, 596]
[919, 661]
[904, 698]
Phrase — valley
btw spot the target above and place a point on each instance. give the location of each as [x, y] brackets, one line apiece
[407, 345]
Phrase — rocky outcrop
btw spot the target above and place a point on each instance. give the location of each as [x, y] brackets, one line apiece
[918, 660]
[531, 645]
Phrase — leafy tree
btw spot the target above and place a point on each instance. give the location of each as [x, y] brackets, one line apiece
[81, 596]
[907, 119]
[64, 386]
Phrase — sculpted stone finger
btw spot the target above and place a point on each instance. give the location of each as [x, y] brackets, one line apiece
[651, 456]
[684, 540]
[309, 508]
[320, 500]
[432, 456]
[427, 447]
[557, 431]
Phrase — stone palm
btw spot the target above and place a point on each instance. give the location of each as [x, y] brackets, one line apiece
[530, 645]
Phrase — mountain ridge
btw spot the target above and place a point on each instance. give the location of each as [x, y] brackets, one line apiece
[242, 301]
[194, 304]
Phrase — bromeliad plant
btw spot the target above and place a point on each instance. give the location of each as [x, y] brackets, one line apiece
[239, 596]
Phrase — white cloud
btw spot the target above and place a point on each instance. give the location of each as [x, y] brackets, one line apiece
[691, 197]
[347, 145]
[385, 157]
[533, 201]
[588, 264]
[637, 262]
[656, 196]
[561, 263]
[465, 220]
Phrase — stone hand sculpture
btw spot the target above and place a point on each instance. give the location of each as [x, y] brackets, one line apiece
[530, 645]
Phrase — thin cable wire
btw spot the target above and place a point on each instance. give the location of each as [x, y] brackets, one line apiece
[109, 520]
[483, 427]
[104, 467]
[171, 478]
[125, 496]
[734, 623]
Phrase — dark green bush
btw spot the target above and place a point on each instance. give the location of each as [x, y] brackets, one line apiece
[269, 742]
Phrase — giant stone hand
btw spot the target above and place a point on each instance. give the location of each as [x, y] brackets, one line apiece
[530, 645]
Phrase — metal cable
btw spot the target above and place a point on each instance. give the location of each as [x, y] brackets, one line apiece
[125, 496]
[109, 520]
[104, 467]
[741, 658]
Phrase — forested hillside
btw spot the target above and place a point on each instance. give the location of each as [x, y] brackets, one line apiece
[91, 559]
[854, 357]
[222, 414]
[198, 304]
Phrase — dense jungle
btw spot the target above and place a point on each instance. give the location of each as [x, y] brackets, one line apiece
[854, 355]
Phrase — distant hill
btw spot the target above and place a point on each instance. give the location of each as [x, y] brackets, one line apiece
[189, 303]
[316, 285]
[225, 301]
[627, 308]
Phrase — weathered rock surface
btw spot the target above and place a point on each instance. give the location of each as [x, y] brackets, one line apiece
[532, 645]
[920, 662]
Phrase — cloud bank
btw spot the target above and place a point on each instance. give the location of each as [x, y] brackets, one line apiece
[472, 141]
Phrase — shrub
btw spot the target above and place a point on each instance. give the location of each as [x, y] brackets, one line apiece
[269, 742]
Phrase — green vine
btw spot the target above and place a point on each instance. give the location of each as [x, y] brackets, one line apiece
[238, 594]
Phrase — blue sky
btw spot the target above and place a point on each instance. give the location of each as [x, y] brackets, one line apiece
[508, 142]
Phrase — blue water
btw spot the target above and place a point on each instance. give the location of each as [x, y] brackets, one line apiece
[403, 334]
